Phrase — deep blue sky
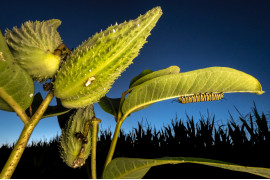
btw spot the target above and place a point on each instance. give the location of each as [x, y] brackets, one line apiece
[191, 34]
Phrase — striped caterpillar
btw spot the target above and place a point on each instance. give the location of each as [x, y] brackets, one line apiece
[201, 97]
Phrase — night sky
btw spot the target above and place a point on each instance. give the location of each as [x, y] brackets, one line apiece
[191, 34]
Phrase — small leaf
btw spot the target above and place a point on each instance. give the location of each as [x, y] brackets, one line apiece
[50, 111]
[208, 80]
[16, 86]
[55, 111]
[35, 104]
[135, 168]
[149, 76]
[110, 105]
[145, 72]
[63, 118]
[59, 110]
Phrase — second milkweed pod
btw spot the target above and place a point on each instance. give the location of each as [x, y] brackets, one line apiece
[75, 139]
[33, 45]
[107, 54]
[200, 97]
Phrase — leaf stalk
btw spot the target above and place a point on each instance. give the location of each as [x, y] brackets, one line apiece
[19, 148]
[113, 143]
[15, 106]
[95, 122]
[119, 121]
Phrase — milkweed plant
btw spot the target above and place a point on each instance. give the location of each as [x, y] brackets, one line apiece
[82, 77]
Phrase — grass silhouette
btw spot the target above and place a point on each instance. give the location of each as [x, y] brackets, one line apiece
[244, 141]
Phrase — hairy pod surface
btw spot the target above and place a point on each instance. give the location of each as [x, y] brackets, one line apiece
[89, 72]
[75, 141]
[33, 46]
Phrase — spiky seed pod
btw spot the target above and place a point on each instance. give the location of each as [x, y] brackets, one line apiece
[75, 140]
[102, 59]
[33, 45]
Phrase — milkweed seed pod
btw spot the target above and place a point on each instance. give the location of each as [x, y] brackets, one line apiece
[75, 140]
[33, 45]
[89, 72]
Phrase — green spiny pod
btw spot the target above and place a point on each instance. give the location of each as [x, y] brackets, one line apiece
[33, 46]
[75, 141]
[89, 72]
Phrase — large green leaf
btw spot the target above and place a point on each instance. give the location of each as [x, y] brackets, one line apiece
[135, 168]
[146, 77]
[16, 86]
[208, 80]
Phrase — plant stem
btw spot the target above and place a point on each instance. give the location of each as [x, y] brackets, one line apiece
[15, 106]
[121, 103]
[95, 122]
[17, 151]
[113, 143]
[120, 120]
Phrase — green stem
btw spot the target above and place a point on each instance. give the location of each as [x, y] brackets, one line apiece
[113, 143]
[119, 121]
[15, 106]
[17, 151]
[95, 122]
[121, 102]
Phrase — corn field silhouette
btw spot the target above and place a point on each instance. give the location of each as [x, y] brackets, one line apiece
[245, 141]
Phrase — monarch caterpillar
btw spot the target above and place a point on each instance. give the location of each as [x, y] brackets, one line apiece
[201, 97]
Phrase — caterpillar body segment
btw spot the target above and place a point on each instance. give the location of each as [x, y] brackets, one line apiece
[200, 97]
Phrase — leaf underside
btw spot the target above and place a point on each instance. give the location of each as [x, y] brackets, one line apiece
[50, 111]
[110, 105]
[208, 80]
[146, 75]
[135, 168]
[16, 86]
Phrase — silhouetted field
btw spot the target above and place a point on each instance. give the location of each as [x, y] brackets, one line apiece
[245, 141]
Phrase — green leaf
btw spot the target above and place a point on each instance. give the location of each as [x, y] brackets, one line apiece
[63, 118]
[145, 72]
[208, 80]
[50, 111]
[110, 105]
[55, 111]
[135, 168]
[16, 86]
[146, 77]
[35, 104]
